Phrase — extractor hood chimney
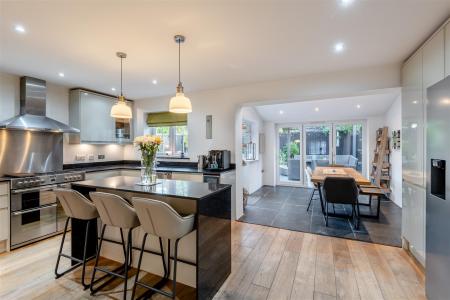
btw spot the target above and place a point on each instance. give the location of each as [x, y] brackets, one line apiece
[32, 116]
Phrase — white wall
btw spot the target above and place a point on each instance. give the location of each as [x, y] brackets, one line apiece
[270, 152]
[251, 173]
[224, 105]
[393, 119]
[58, 109]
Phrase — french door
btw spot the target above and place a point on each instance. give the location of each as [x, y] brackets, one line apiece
[303, 147]
[348, 145]
[289, 155]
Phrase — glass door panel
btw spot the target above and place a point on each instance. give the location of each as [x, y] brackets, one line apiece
[289, 155]
[317, 145]
[348, 143]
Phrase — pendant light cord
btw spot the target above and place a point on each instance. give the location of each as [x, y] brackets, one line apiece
[179, 62]
[121, 59]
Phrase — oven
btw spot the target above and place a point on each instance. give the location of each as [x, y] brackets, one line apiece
[35, 214]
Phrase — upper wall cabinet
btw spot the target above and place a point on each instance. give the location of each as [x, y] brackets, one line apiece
[433, 60]
[447, 50]
[413, 121]
[90, 112]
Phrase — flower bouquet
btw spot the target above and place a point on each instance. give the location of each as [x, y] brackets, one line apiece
[148, 146]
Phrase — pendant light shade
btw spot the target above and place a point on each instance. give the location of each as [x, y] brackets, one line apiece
[180, 104]
[121, 110]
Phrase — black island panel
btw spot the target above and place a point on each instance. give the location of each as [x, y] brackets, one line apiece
[213, 221]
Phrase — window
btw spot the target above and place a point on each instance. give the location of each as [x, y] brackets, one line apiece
[172, 128]
[174, 140]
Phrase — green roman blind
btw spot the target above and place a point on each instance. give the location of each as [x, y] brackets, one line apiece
[161, 119]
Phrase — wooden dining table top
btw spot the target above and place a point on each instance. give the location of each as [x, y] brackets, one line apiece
[319, 174]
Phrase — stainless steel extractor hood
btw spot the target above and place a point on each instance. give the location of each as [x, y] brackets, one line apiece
[32, 116]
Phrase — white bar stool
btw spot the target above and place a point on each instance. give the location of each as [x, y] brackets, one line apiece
[75, 206]
[160, 219]
[116, 212]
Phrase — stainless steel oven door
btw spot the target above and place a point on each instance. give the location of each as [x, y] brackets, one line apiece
[32, 224]
[22, 199]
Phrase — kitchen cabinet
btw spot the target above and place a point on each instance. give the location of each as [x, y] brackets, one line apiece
[413, 156]
[413, 112]
[413, 219]
[4, 216]
[90, 112]
[427, 66]
[112, 173]
[447, 50]
[197, 177]
[433, 60]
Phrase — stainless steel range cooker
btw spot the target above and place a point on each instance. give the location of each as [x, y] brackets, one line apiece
[35, 211]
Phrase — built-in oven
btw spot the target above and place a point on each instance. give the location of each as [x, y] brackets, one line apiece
[35, 214]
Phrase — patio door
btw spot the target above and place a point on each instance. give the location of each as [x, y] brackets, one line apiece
[303, 147]
[289, 155]
[348, 144]
[318, 148]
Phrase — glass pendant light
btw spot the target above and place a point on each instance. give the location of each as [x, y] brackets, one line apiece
[121, 110]
[180, 104]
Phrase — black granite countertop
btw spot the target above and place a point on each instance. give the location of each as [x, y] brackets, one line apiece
[182, 167]
[165, 187]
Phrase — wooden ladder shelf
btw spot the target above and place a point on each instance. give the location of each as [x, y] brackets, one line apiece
[381, 167]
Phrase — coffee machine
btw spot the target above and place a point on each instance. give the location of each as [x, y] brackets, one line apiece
[218, 159]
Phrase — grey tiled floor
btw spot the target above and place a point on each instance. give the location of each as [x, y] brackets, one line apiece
[285, 207]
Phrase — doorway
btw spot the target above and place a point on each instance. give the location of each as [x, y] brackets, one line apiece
[289, 149]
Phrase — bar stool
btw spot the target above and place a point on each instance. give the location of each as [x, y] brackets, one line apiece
[75, 206]
[160, 219]
[116, 212]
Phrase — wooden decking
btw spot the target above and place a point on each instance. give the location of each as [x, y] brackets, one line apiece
[268, 263]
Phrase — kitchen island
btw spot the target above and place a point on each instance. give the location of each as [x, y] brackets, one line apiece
[204, 254]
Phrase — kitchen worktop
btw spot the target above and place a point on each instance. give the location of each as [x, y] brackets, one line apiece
[164, 187]
[163, 166]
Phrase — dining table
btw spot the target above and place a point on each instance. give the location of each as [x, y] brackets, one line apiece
[320, 173]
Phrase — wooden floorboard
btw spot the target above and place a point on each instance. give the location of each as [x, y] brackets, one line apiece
[267, 263]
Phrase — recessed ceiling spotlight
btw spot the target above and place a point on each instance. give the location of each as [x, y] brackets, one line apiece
[358, 106]
[414, 125]
[19, 28]
[415, 102]
[281, 112]
[339, 47]
[346, 2]
[316, 109]
[154, 81]
[61, 74]
[85, 94]
[113, 89]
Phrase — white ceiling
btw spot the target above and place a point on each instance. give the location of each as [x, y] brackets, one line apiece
[229, 42]
[329, 110]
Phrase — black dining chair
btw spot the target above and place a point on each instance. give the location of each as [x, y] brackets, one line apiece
[341, 190]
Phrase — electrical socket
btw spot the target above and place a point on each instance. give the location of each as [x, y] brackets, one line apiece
[80, 157]
[91, 156]
[101, 156]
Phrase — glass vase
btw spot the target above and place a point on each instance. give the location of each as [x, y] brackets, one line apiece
[148, 171]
